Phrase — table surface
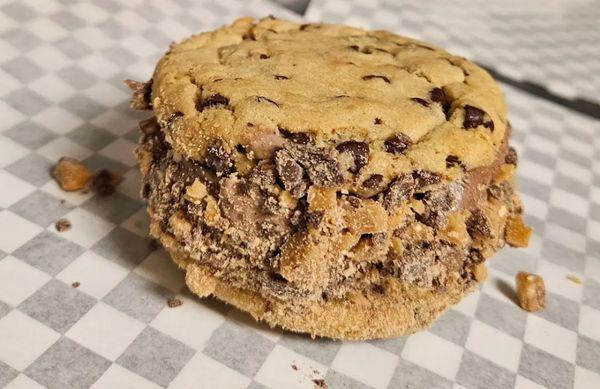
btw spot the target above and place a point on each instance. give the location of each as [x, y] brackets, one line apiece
[61, 93]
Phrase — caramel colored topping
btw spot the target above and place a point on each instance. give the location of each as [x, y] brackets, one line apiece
[71, 174]
[517, 233]
[531, 291]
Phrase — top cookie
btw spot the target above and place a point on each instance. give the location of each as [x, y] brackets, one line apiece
[255, 82]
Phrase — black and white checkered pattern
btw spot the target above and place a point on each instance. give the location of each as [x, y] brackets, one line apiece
[61, 93]
[551, 43]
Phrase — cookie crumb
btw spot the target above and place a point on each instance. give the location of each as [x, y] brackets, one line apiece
[174, 302]
[295, 367]
[531, 291]
[62, 225]
[320, 383]
[517, 233]
[75, 284]
[574, 279]
[71, 175]
[480, 272]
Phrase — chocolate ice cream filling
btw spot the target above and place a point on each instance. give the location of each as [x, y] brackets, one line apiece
[242, 226]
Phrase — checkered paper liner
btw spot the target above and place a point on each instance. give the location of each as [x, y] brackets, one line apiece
[61, 93]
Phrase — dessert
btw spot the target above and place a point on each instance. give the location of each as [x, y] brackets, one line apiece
[327, 179]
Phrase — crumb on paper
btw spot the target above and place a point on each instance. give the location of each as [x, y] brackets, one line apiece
[62, 225]
[75, 284]
[294, 367]
[517, 233]
[71, 174]
[480, 272]
[174, 302]
[531, 291]
[320, 383]
[574, 279]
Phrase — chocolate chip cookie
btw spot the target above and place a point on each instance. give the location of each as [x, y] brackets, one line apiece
[327, 179]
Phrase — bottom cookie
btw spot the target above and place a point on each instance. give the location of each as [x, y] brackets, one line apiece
[403, 309]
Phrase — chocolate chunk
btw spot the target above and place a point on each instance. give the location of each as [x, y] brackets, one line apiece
[297, 137]
[264, 175]
[359, 152]
[290, 173]
[473, 117]
[372, 76]
[219, 160]
[438, 204]
[212, 101]
[401, 189]
[261, 99]
[478, 225]
[377, 121]
[320, 163]
[511, 156]
[424, 178]
[398, 144]
[142, 94]
[453, 160]
[437, 95]
[421, 101]
[149, 126]
[489, 124]
[373, 181]
[280, 77]
[263, 56]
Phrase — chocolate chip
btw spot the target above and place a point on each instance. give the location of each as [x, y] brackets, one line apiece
[438, 204]
[297, 137]
[452, 160]
[478, 225]
[377, 121]
[353, 47]
[489, 124]
[212, 101]
[266, 99]
[373, 181]
[263, 56]
[437, 95]
[290, 173]
[240, 149]
[372, 76]
[419, 100]
[359, 152]
[511, 156]
[424, 178]
[219, 160]
[280, 77]
[473, 117]
[320, 163]
[398, 144]
[401, 189]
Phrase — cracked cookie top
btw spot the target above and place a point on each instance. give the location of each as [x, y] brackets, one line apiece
[390, 104]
